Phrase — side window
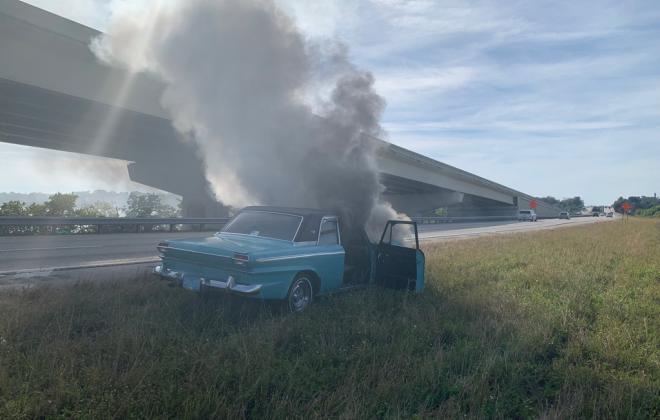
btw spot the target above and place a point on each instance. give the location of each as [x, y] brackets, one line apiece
[328, 234]
[399, 234]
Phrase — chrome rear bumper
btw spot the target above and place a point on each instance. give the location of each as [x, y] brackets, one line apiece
[229, 285]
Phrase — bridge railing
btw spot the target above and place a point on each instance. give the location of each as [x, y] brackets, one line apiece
[77, 225]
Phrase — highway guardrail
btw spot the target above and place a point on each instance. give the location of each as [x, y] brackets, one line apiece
[99, 222]
[464, 219]
[469, 219]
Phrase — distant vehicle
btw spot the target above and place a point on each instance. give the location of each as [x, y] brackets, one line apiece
[595, 215]
[610, 214]
[564, 215]
[527, 216]
[293, 255]
[602, 215]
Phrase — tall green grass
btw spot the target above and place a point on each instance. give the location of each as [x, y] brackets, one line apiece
[550, 324]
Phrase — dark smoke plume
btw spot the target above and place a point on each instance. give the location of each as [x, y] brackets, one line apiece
[242, 82]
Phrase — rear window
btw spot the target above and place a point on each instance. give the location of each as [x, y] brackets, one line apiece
[525, 212]
[265, 224]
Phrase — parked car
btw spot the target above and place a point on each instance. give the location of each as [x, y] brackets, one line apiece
[294, 255]
[564, 215]
[527, 216]
[610, 214]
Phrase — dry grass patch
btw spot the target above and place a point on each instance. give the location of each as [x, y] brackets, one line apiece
[553, 324]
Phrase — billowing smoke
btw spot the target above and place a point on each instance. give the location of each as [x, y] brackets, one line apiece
[243, 83]
[107, 173]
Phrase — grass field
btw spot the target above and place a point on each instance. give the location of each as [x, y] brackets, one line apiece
[551, 324]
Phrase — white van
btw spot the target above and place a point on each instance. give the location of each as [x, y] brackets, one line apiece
[526, 216]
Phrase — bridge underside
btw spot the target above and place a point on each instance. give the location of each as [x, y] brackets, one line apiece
[421, 199]
[33, 116]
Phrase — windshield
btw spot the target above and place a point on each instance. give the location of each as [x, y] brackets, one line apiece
[525, 212]
[264, 224]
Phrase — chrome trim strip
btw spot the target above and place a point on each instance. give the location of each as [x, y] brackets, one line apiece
[195, 252]
[298, 230]
[306, 243]
[291, 257]
[244, 288]
[251, 236]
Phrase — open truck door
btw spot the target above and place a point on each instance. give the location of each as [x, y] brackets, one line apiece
[399, 262]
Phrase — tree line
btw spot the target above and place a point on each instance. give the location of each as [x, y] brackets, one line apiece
[641, 205]
[571, 205]
[64, 205]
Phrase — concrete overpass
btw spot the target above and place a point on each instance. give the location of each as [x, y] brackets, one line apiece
[55, 94]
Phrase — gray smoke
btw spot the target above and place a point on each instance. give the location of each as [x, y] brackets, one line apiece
[242, 83]
[110, 173]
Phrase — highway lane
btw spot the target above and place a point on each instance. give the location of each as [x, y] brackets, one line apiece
[48, 252]
[428, 233]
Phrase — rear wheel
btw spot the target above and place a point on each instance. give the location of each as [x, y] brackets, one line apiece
[301, 294]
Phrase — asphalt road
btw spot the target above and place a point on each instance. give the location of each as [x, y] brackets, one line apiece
[429, 233]
[48, 253]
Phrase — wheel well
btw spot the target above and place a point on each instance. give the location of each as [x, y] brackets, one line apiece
[316, 281]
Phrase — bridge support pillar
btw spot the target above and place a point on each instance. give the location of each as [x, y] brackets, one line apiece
[184, 177]
[193, 205]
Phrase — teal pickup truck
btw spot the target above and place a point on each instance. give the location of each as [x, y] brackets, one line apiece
[293, 255]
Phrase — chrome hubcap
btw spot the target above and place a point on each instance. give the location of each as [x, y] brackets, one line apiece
[301, 295]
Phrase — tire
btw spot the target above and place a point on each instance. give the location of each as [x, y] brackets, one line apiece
[301, 293]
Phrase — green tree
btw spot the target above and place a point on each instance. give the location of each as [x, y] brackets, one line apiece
[549, 199]
[650, 212]
[638, 203]
[572, 205]
[617, 204]
[61, 205]
[13, 208]
[98, 209]
[148, 205]
[37, 209]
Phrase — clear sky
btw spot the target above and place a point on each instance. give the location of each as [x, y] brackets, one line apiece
[554, 98]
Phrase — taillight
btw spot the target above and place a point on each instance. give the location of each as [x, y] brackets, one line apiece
[241, 259]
